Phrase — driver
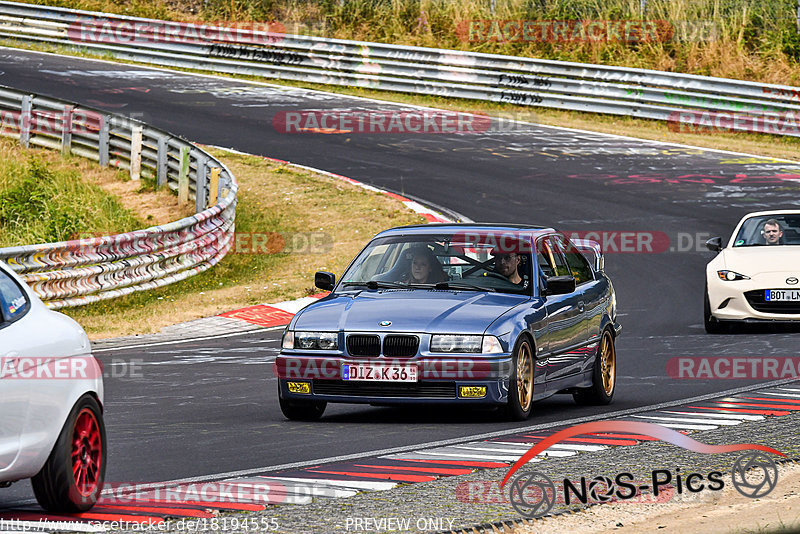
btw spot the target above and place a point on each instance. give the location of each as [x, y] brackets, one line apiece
[507, 263]
[772, 232]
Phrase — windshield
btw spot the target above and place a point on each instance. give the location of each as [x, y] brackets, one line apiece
[460, 261]
[769, 230]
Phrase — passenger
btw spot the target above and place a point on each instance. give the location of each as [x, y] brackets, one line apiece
[773, 232]
[424, 267]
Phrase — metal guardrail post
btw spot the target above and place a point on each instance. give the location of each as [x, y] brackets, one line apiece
[25, 119]
[66, 131]
[183, 176]
[136, 152]
[201, 184]
[213, 186]
[102, 141]
[161, 162]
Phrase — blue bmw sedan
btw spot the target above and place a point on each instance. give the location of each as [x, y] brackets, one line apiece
[502, 315]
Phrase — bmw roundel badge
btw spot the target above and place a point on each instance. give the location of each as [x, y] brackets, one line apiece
[385, 323]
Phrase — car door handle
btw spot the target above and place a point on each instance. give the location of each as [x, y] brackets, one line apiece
[581, 306]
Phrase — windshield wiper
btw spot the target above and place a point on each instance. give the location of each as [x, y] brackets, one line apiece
[377, 284]
[469, 287]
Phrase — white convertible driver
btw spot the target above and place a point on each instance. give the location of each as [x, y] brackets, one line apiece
[755, 278]
[51, 397]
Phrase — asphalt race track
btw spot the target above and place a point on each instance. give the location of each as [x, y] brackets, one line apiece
[206, 407]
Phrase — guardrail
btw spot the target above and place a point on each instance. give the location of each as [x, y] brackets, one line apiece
[77, 272]
[526, 81]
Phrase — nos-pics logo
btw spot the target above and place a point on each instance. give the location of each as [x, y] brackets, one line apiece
[533, 494]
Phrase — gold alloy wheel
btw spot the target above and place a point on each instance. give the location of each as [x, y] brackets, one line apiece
[525, 376]
[608, 363]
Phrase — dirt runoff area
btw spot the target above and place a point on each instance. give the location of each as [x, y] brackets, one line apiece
[718, 512]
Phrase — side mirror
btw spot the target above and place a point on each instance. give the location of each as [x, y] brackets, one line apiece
[714, 244]
[324, 280]
[559, 285]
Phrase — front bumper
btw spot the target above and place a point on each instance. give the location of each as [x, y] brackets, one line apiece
[742, 300]
[440, 380]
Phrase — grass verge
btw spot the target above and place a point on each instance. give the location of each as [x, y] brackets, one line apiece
[289, 224]
[47, 197]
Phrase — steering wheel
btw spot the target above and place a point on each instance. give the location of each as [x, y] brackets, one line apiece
[495, 275]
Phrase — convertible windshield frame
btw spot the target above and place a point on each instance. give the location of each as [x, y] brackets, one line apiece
[749, 232]
[466, 264]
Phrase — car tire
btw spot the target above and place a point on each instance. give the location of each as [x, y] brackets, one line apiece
[604, 375]
[712, 325]
[72, 477]
[301, 410]
[520, 387]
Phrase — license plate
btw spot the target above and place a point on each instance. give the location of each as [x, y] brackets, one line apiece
[377, 372]
[782, 295]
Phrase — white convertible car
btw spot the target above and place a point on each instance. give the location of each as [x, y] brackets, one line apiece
[755, 278]
[51, 398]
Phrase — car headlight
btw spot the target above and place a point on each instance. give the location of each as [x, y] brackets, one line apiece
[730, 276]
[465, 343]
[311, 340]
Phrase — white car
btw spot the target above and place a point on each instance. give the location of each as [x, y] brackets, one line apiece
[51, 398]
[755, 278]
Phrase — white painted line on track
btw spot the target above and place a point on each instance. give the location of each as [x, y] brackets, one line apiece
[576, 447]
[352, 484]
[793, 395]
[565, 446]
[472, 456]
[518, 452]
[721, 422]
[294, 306]
[307, 488]
[446, 456]
[686, 426]
[735, 417]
